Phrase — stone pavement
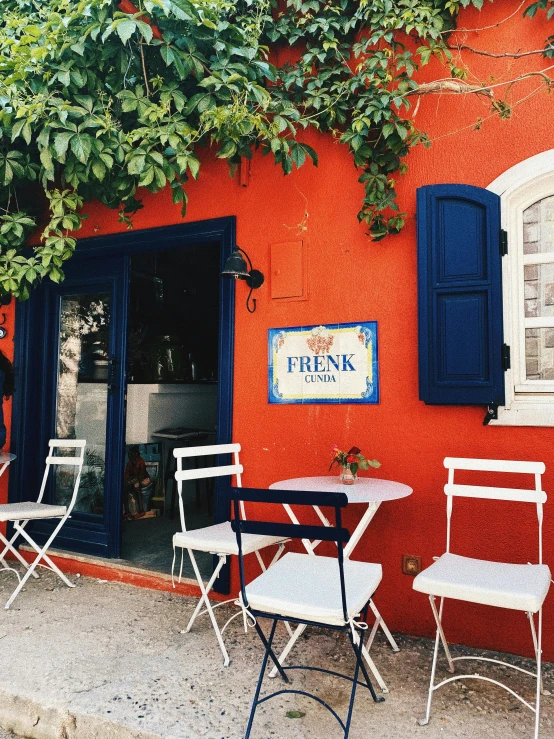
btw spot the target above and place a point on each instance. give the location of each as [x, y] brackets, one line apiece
[110, 661]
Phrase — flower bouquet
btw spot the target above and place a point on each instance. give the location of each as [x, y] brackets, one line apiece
[350, 462]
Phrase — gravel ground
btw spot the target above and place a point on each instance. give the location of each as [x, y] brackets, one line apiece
[110, 661]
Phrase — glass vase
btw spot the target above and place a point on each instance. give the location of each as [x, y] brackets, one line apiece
[346, 475]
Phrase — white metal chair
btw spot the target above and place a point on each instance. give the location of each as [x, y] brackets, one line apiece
[21, 513]
[218, 539]
[521, 587]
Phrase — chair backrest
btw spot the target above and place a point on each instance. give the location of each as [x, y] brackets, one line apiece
[536, 495]
[335, 533]
[76, 461]
[200, 473]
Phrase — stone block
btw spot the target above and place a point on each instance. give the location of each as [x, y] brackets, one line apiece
[548, 337]
[531, 248]
[549, 293]
[548, 374]
[532, 366]
[531, 289]
[547, 209]
[531, 333]
[531, 232]
[531, 308]
[531, 347]
[532, 214]
[531, 272]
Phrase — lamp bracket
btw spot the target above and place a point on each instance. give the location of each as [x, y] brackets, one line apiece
[255, 279]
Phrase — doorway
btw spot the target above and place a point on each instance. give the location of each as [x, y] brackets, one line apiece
[172, 370]
[132, 311]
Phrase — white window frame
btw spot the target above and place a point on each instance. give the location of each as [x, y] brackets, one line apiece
[528, 402]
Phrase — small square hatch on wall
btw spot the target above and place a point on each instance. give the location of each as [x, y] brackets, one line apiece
[288, 270]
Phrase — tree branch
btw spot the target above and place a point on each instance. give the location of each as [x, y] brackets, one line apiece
[449, 86]
[505, 54]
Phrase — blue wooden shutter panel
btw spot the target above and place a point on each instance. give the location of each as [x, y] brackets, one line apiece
[460, 296]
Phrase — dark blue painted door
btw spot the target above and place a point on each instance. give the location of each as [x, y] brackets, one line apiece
[76, 389]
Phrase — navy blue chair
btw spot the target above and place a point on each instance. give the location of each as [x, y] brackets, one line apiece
[328, 592]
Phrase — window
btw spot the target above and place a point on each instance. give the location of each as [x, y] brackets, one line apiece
[527, 211]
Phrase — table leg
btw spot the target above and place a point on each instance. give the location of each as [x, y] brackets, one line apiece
[379, 621]
[300, 629]
[360, 528]
[307, 543]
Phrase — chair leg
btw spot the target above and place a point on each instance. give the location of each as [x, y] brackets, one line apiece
[268, 651]
[535, 645]
[439, 636]
[438, 619]
[9, 547]
[357, 640]
[41, 554]
[376, 674]
[204, 599]
[358, 652]
[539, 671]
[300, 629]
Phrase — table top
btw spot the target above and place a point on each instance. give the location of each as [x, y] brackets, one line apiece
[179, 433]
[6, 457]
[364, 490]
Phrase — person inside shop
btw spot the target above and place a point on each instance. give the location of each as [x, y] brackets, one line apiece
[7, 386]
[135, 479]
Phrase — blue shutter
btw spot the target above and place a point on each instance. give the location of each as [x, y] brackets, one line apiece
[460, 296]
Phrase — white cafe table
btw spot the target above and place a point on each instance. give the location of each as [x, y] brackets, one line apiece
[5, 459]
[367, 491]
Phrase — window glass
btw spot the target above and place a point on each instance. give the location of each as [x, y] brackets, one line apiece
[538, 227]
[539, 353]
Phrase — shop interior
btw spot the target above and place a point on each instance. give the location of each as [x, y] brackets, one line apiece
[172, 366]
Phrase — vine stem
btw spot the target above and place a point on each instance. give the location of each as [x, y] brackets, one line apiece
[486, 28]
[144, 69]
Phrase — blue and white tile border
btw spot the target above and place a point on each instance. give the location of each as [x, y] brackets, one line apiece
[331, 363]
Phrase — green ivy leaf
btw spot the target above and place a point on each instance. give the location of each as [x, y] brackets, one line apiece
[125, 29]
[81, 146]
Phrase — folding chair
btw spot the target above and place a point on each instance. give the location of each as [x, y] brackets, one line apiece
[218, 539]
[521, 587]
[21, 513]
[320, 591]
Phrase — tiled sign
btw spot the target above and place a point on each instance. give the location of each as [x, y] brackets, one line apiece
[336, 363]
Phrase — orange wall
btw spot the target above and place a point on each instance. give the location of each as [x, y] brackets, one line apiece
[352, 279]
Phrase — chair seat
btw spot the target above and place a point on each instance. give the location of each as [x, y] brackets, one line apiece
[521, 587]
[307, 587]
[25, 511]
[221, 539]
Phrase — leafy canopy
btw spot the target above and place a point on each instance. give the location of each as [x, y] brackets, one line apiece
[99, 99]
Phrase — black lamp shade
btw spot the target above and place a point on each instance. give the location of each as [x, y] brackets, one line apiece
[235, 266]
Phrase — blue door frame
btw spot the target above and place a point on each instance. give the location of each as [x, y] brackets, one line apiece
[96, 262]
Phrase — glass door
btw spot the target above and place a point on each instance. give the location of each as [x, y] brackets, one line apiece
[79, 328]
[84, 366]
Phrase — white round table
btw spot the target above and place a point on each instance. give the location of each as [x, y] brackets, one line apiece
[363, 490]
[5, 459]
[369, 491]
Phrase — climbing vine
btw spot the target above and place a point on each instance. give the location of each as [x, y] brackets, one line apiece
[99, 99]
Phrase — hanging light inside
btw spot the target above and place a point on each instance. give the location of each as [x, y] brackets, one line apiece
[236, 267]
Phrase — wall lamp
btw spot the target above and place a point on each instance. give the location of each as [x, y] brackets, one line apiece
[236, 267]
